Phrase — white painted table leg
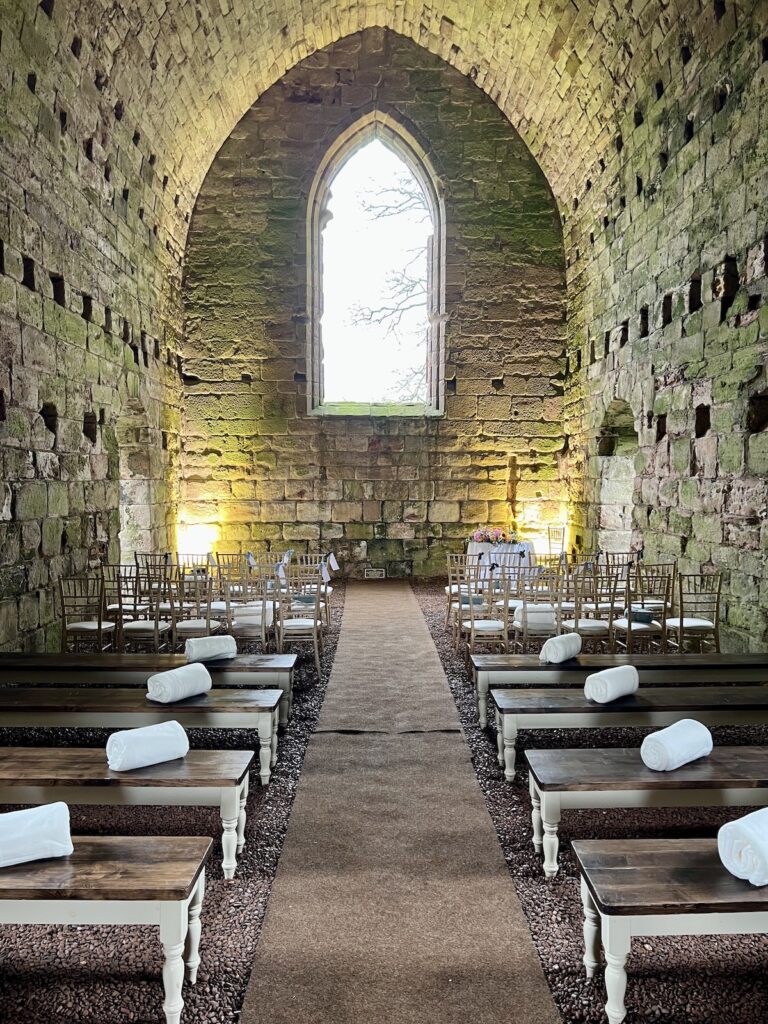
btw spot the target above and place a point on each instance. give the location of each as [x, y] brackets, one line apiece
[499, 738]
[591, 931]
[173, 931]
[230, 810]
[264, 727]
[241, 815]
[550, 816]
[275, 722]
[284, 705]
[482, 698]
[192, 944]
[509, 732]
[616, 942]
[535, 814]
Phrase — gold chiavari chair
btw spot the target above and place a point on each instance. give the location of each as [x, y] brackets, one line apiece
[537, 615]
[642, 626]
[300, 617]
[595, 603]
[83, 620]
[121, 597]
[697, 623]
[153, 632]
[482, 621]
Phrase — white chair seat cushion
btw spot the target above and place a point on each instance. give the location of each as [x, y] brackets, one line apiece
[456, 588]
[145, 626]
[195, 625]
[485, 625]
[690, 623]
[535, 627]
[513, 602]
[90, 627]
[253, 615]
[586, 625]
[221, 606]
[601, 606]
[129, 608]
[166, 606]
[296, 624]
[637, 627]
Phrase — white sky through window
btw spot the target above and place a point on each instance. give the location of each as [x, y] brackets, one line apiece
[374, 324]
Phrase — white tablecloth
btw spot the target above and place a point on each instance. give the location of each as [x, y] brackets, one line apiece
[521, 553]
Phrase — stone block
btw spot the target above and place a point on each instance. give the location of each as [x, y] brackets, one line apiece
[444, 512]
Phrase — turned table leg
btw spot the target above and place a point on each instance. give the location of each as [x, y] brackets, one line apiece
[509, 733]
[499, 738]
[275, 722]
[550, 815]
[173, 932]
[264, 727]
[230, 811]
[192, 944]
[535, 813]
[241, 815]
[591, 931]
[616, 942]
[482, 699]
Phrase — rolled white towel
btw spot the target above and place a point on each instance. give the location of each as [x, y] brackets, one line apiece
[179, 683]
[151, 744]
[34, 834]
[611, 683]
[560, 648]
[743, 846]
[667, 749]
[209, 648]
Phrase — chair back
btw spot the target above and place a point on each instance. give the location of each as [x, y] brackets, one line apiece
[81, 598]
[152, 559]
[699, 595]
[555, 540]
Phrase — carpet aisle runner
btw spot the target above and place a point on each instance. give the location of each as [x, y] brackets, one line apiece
[392, 903]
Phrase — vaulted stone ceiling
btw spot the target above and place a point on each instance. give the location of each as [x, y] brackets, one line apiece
[181, 74]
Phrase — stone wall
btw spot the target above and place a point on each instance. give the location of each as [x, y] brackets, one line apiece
[88, 324]
[667, 241]
[389, 492]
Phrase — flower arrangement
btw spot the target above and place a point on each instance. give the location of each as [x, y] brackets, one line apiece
[495, 535]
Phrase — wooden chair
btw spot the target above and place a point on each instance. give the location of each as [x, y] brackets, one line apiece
[251, 617]
[537, 614]
[190, 610]
[555, 540]
[697, 624]
[647, 594]
[595, 606]
[483, 613]
[83, 619]
[300, 615]
[121, 596]
[154, 631]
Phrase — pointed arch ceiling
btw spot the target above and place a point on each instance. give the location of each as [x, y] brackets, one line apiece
[187, 71]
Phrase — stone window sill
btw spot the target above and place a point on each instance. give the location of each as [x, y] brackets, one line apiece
[376, 409]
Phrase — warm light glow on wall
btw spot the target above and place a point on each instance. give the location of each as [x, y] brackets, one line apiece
[534, 523]
[197, 538]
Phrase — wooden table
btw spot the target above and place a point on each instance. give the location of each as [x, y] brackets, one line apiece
[645, 887]
[80, 775]
[616, 777]
[251, 671]
[92, 708]
[134, 880]
[570, 709]
[525, 670]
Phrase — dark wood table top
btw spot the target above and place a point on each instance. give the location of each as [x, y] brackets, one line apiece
[663, 698]
[620, 768]
[663, 876]
[112, 868]
[149, 663]
[132, 701]
[87, 766]
[596, 662]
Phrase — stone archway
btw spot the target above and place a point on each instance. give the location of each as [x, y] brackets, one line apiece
[617, 445]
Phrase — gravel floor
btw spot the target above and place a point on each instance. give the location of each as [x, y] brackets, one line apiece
[112, 976]
[706, 980]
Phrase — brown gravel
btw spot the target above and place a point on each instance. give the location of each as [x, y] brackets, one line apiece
[706, 980]
[89, 975]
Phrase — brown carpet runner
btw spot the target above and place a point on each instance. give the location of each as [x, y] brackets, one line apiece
[392, 903]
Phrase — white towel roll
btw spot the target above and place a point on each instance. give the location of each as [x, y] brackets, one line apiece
[34, 834]
[684, 741]
[743, 847]
[210, 648]
[179, 683]
[560, 648]
[611, 683]
[151, 744]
